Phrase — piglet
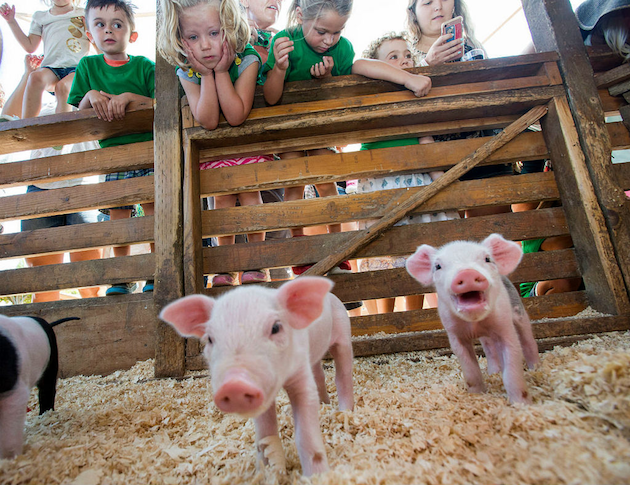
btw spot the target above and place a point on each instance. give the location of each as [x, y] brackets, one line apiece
[477, 300]
[28, 356]
[259, 340]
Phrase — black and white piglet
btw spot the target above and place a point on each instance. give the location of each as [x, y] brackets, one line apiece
[28, 357]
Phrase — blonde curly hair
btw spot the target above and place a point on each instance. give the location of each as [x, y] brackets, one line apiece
[371, 52]
[234, 27]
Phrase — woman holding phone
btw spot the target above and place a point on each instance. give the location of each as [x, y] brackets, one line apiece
[427, 22]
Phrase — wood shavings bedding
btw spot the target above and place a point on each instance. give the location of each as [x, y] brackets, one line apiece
[413, 423]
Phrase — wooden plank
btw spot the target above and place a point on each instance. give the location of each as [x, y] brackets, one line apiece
[80, 274]
[68, 128]
[170, 351]
[338, 209]
[79, 164]
[382, 116]
[112, 333]
[619, 89]
[621, 172]
[604, 80]
[444, 75]
[600, 269]
[137, 230]
[554, 27]
[625, 115]
[407, 205]
[548, 306]
[193, 258]
[398, 241]
[438, 339]
[137, 190]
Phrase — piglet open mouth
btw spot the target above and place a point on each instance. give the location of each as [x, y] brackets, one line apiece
[471, 300]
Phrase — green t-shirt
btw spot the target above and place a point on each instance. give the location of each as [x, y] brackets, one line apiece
[136, 76]
[303, 57]
[530, 246]
[403, 142]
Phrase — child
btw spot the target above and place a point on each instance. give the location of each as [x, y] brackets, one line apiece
[394, 49]
[111, 83]
[261, 15]
[218, 69]
[312, 47]
[424, 21]
[62, 30]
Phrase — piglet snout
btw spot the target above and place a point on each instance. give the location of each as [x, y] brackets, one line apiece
[468, 280]
[238, 394]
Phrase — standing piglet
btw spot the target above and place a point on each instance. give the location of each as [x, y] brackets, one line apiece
[28, 357]
[477, 300]
[259, 340]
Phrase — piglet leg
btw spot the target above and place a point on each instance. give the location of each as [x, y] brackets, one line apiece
[465, 352]
[320, 380]
[513, 378]
[526, 337]
[268, 443]
[308, 436]
[493, 355]
[342, 355]
[12, 416]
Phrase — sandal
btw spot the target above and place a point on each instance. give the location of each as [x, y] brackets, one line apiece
[224, 279]
[255, 276]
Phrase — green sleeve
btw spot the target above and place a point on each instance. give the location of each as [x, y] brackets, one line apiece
[345, 57]
[80, 84]
[150, 77]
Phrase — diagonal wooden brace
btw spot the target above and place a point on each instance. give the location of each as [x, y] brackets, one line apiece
[407, 203]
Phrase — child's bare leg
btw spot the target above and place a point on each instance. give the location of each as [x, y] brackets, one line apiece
[88, 255]
[38, 82]
[293, 193]
[326, 190]
[44, 261]
[223, 202]
[252, 198]
[385, 305]
[114, 215]
[148, 211]
[62, 90]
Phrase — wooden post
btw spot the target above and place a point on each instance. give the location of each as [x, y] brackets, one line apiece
[554, 28]
[169, 280]
[596, 258]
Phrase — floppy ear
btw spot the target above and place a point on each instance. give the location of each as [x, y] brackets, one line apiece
[420, 265]
[189, 315]
[506, 254]
[303, 299]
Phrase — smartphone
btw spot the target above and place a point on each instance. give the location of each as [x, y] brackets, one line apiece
[453, 27]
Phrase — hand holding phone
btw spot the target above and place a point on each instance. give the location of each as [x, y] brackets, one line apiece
[454, 28]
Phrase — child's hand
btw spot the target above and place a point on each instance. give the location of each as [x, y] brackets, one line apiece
[418, 85]
[323, 69]
[227, 58]
[8, 13]
[281, 49]
[117, 105]
[32, 62]
[99, 103]
[442, 51]
[195, 63]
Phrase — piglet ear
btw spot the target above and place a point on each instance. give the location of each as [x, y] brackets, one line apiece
[303, 299]
[189, 315]
[420, 266]
[506, 254]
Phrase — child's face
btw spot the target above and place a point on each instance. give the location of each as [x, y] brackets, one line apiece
[200, 28]
[61, 3]
[395, 52]
[431, 14]
[263, 12]
[324, 32]
[109, 29]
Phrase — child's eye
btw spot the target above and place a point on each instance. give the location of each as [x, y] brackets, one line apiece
[118, 25]
[214, 33]
[100, 24]
[192, 37]
[393, 57]
[321, 32]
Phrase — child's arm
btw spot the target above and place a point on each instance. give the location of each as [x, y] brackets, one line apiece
[94, 99]
[31, 42]
[375, 69]
[274, 85]
[236, 99]
[119, 103]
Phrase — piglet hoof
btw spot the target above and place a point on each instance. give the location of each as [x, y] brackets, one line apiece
[271, 453]
[521, 397]
[319, 464]
[477, 388]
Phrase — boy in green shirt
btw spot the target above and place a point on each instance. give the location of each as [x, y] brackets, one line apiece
[111, 83]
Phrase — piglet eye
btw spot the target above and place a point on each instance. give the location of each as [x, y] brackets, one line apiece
[437, 266]
[488, 260]
[209, 340]
[276, 328]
